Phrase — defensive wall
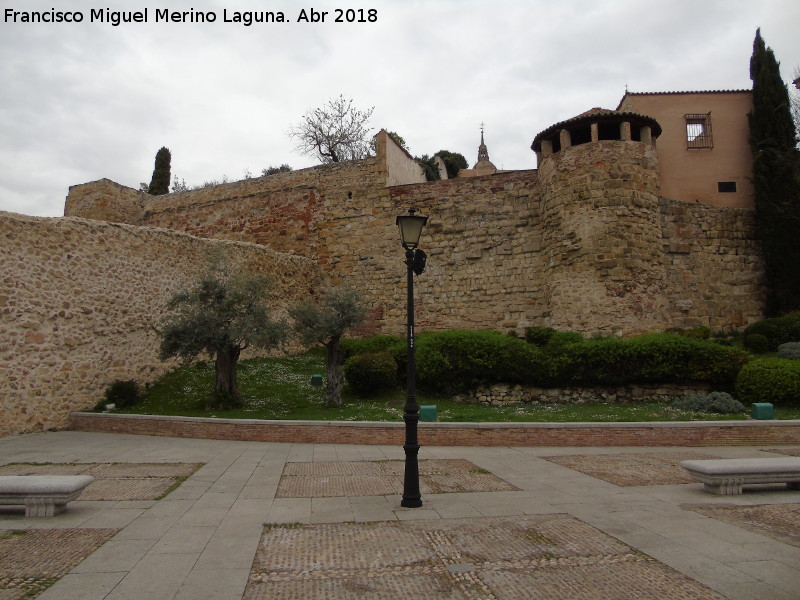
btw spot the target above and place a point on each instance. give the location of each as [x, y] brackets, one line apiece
[79, 300]
[586, 242]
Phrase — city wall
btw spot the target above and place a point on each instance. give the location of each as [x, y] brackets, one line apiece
[79, 300]
[584, 243]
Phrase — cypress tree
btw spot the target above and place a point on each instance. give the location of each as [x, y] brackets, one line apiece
[776, 179]
[159, 183]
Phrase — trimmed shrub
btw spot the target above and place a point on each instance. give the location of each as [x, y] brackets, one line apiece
[756, 342]
[122, 393]
[657, 358]
[700, 332]
[371, 372]
[376, 343]
[455, 361]
[774, 380]
[539, 336]
[715, 402]
[790, 350]
[561, 339]
[778, 330]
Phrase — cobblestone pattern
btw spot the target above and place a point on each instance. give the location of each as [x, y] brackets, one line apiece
[32, 560]
[114, 481]
[778, 521]
[383, 478]
[553, 556]
[633, 469]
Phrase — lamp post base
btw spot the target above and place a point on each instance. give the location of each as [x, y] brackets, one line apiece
[411, 502]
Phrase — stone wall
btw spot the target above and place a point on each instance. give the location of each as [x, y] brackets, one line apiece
[602, 238]
[505, 394]
[585, 243]
[714, 266]
[78, 301]
[483, 239]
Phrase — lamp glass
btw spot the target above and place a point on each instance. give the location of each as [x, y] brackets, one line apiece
[411, 229]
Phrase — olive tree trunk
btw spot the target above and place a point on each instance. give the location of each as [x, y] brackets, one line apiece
[333, 393]
[226, 389]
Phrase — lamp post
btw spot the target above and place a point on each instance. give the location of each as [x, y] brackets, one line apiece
[410, 226]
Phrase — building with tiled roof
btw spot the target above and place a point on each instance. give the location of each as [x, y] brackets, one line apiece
[703, 150]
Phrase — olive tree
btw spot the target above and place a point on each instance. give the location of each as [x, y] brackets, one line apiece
[225, 312]
[334, 132]
[325, 322]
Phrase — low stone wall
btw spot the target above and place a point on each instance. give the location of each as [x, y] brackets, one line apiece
[79, 300]
[701, 433]
[503, 394]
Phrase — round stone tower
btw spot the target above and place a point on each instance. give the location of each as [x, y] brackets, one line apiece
[602, 239]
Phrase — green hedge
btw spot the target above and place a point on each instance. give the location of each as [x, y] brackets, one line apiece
[459, 360]
[774, 380]
[778, 330]
[371, 372]
[652, 358]
[376, 343]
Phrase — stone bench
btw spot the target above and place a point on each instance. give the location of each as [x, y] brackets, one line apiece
[726, 476]
[42, 495]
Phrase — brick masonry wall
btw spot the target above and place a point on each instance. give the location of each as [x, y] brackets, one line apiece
[716, 433]
[78, 301]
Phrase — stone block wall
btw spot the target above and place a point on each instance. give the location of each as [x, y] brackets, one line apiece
[78, 301]
[714, 265]
[585, 243]
[602, 238]
[483, 239]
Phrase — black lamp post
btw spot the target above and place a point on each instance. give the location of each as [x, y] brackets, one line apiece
[410, 226]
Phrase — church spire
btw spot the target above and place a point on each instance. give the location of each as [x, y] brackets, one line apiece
[484, 164]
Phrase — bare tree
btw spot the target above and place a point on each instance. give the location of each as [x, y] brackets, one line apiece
[334, 132]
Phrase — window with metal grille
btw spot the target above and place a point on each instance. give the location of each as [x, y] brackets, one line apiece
[726, 187]
[698, 131]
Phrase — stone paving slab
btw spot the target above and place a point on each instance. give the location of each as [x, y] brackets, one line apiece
[652, 468]
[546, 556]
[32, 560]
[114, 481]
[786, 451]
[779, 521]
[331, 479]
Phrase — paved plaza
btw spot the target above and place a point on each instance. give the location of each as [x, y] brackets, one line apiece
[192, 519]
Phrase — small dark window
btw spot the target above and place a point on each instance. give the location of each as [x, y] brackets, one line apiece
[726, 187]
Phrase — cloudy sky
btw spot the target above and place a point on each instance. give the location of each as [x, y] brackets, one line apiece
[83, 101]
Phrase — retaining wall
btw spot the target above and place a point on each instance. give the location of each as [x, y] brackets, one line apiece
[79, 300]
[705, 433]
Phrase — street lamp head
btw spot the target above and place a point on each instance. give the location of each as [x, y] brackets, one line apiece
[410, 226]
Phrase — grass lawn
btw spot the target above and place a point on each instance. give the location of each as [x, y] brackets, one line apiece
[280, 388]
